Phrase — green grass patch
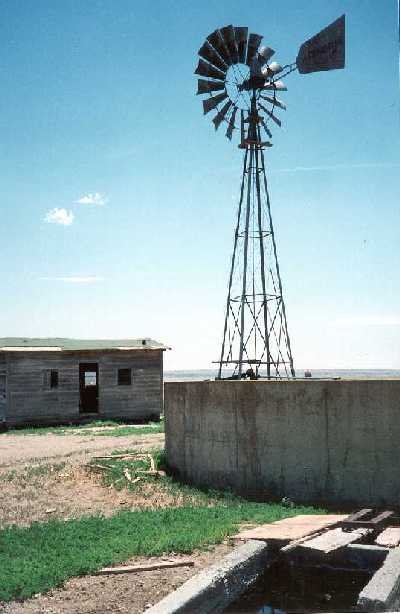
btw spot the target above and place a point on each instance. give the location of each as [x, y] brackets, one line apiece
[37, 558]
[94, 429]
[113, 475]
[42, 556]
[153, 427]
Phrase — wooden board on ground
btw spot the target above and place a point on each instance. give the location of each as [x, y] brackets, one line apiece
[145, 567]
[333, 540]
[289, 529]
[390, 537]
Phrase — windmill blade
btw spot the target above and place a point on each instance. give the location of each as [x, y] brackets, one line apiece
[206, 87]
[208, 53]
[265, 53]
[275, 85]
[220, 116]
[267, 130]
[274, 101]
[215, 39]
[325, 50]
[241, 43]
[213, 102]
[228, 35]
[253, 45]
[204, 69]
[271, 115]
[231, 124]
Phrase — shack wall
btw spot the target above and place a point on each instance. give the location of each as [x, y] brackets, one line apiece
[140, 400]
[3, 389]
[30, 400]
[315, 441]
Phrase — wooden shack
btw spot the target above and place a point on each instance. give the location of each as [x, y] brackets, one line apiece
[58, 381]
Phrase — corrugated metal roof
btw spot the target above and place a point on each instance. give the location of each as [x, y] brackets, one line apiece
[16, 344]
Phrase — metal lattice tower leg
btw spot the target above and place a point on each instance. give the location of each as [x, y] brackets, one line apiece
[256, 340]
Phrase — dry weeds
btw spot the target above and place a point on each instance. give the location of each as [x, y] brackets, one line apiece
[65, 491]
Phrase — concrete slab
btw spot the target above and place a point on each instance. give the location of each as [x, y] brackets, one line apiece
[382, 593]
[213, 589]
[390, 537]
[333, 540]
[290, 529]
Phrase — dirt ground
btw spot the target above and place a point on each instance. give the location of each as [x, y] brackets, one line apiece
[123, 593]
[44, 476]
[18, 449]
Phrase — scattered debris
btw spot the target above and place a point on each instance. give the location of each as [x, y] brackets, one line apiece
[389, 538]
[145, 567]
[151, 472]
[368, 519]
[135, 455]
[103, 467]
[127, 474]
[288, 529]
[334, 539]
[131, 473]
[286, 502]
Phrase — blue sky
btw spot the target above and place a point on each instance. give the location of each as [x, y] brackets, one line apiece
[98, 106]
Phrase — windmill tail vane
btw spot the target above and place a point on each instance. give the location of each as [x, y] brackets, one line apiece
[242, 85]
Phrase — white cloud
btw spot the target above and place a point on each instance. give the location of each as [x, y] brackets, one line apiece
[75, 279]
[92, 199]
[59, 216]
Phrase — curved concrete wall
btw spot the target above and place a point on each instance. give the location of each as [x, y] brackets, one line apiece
[312, 441]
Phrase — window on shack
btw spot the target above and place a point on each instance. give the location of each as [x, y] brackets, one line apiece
[90, 378]
[124, 377]
[53, 378]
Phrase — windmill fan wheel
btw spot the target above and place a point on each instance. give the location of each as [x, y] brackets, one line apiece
[240, 82]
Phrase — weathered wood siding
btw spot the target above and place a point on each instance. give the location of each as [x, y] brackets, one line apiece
[3, 387]
[140, 400]
[30, 400]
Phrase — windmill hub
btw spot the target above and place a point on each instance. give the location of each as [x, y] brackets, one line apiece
[241, 84]
[254, 83]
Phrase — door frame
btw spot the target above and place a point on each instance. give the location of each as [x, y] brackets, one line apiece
[86, 367]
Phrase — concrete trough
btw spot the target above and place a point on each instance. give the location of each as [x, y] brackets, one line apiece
[213, 589]
[318, 441]
[382, 593]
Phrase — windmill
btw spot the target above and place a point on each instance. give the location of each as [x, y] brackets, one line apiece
[244, 86]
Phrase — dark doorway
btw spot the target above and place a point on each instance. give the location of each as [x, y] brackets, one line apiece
[88, 387]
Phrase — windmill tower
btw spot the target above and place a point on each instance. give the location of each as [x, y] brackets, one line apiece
[243, 85]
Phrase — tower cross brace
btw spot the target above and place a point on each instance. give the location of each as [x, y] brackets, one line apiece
[256, 340]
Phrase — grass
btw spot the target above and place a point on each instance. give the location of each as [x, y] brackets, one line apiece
[182, 494]
[119, 430]
[153, 427]
[42, 556]
[37, 558]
